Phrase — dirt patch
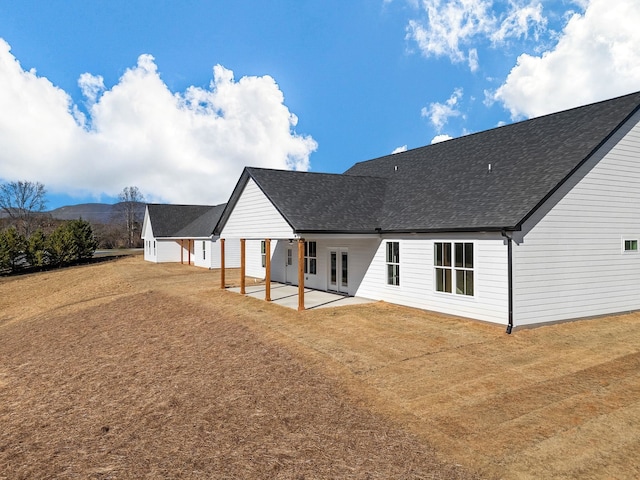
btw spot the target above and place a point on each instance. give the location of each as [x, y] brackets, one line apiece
[132, 370]
[129, 369]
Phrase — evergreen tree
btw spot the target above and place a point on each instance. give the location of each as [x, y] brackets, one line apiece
[12, 249]
[59, 246]
[36, 252]
[84, 241]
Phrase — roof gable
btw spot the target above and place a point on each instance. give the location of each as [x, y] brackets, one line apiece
[321, 201]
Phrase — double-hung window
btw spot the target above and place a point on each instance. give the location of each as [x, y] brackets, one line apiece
[263, 253]
[453, 264]
[393, 263]
[310, 258]
[442, 262]
[204, 250]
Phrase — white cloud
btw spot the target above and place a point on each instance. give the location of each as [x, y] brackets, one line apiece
[450, 26]
[185, 147]
[474, 61]
[519, 20]
[440, 113]
[440, 138]
[401, 149]
[596, 57]
[92, 86]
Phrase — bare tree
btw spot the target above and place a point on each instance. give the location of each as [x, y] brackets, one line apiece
[131, 199]
[22, 201]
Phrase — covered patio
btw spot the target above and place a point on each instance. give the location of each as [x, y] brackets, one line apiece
[287, 296]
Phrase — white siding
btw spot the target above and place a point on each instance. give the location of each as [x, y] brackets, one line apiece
[360, 251]
[254, 216]
[169, 251]
[368, 274]
[231, 253]
[570, 263]
[198, 259]
[417, 274]
[147, 236]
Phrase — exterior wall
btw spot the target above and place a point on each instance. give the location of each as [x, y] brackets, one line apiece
[417, 278]
[150, 249]
[570, 262]
[360, 251]
[368, 272]
[253, 263]
[148, 238]
[231, 253]
[252, 205]
[201, 253]
[169, 251]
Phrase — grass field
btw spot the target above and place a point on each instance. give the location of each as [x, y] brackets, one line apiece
[132, 370]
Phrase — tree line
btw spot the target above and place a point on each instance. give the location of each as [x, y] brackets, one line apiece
[70, 242]
[29, 237]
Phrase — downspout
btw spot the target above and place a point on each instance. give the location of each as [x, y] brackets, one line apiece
[509, 279]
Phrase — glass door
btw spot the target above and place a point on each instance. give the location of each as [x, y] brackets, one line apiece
[338, 270]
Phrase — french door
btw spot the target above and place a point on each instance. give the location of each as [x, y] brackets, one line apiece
[338, 270]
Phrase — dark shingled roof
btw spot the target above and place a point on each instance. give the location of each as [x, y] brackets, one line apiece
[448, 186]
[183, 221]
[322, 201]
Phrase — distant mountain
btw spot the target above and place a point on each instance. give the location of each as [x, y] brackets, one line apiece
[92, 212]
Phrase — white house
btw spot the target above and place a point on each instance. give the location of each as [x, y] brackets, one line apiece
[184, 234]
[534, 222]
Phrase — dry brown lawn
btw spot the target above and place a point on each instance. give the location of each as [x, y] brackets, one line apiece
[132, 370]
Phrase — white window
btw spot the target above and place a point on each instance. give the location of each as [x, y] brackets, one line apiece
[453, 264]
[263, 253]
[630, 245]
[204, 251]
[442, 262]
[154, 247]
[310, 258]
[393, 263]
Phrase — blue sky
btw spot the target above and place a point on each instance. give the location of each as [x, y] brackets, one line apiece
[177, 97]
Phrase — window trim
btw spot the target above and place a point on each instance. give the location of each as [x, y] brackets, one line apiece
[310, 261]
[631, 242]
[455, 267]
[393, 267]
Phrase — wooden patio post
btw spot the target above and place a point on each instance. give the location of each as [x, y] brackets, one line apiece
[222, 279]
[300, 274]
[189, 251]
[267, 251]
[181, 252]
[242, 266]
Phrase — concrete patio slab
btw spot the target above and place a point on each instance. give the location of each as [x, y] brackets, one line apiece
[287, 296]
